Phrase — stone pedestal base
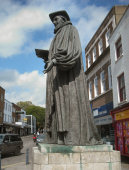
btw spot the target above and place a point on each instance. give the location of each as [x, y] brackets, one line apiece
[60, 157]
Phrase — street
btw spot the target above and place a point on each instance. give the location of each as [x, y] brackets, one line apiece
[19, 162]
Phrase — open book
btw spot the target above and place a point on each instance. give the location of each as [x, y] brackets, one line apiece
[42, 54]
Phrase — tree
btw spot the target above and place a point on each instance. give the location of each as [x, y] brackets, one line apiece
[37, 111]
[24, 105]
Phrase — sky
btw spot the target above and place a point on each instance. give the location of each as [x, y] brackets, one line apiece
[25, 26]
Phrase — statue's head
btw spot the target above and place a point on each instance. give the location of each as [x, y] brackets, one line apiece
[59, 17]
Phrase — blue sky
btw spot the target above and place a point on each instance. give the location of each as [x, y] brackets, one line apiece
[25, 25]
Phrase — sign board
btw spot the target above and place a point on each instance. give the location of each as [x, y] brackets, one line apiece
[122, 115]
[19, 112]
[103, 120]
[25, 119]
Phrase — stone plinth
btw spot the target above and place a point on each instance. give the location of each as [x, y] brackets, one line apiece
[60, 157]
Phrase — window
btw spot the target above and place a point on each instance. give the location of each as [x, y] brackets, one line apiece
[96, 86]
[107, 36]
[89, 61]
[94, 54]
[118, 48]
[6, 138]
[95, 112]
[121, 85]
[0, 113]
[109, 77]
[15, 138]
[8, 107]
[90, 90]
[5, 117]
[103, 84]
[2, 97]
[100, 47]
[5, 106]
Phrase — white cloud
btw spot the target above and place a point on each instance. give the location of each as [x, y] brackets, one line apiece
[16, 25]
[88, 24]
[39, 45]
[24, 87]
[124, 1]
[20, 20]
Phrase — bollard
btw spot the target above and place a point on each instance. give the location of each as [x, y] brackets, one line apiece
[27, 156]
[0, 160]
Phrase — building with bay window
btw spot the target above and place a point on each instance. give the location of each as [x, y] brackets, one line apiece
[98, 71]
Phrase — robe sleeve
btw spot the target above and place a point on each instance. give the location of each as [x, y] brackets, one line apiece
[67, 48]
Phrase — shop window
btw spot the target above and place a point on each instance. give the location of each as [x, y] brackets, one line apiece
[103, 82]
[107, 36]
[6, 138]
[109, 77]
[121, 85]
[94, 54]
[89, 61]
[100, 47]
[119, 51]
[96, 86]
[90, 90]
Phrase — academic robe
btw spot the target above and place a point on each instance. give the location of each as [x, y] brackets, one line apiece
[67, 105]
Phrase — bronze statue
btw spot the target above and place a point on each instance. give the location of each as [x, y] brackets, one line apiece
[69, 119]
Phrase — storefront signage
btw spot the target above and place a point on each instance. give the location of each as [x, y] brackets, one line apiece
[103, 120]
[103, 110]
[122, 115]
[25, 119]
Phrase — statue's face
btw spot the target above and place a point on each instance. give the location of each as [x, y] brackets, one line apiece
[57, 20]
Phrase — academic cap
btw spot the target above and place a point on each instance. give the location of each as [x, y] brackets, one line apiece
[57, 13]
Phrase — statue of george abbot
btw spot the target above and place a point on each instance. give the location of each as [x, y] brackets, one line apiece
[68, 118]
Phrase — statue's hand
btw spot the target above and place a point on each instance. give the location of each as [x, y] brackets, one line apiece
[46, 63]
[49, 67]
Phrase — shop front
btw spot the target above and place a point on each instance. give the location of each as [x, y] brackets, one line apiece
[120, 117]
[105, 128]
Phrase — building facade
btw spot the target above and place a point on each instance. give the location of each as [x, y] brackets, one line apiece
[119, 53]
[7, 121]
[13, 119]
[31, 121]
[2, 97]
[98, 72]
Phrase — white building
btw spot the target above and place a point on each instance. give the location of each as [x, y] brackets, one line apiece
[21, 121]
[119, 52]
[7, 111]
[31, 121]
